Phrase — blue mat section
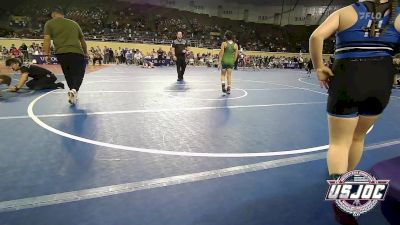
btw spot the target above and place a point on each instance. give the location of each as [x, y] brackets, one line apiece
[290, 195]
[268, 112]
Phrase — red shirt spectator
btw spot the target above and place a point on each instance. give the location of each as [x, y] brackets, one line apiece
[15, 53]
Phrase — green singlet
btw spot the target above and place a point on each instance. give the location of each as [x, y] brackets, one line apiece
[228, 60]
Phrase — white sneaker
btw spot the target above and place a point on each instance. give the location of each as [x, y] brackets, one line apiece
[72, 96]
[76, 96]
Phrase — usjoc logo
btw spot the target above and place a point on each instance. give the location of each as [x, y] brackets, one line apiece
[357, 192]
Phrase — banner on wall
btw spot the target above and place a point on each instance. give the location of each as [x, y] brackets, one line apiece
[41, 59]
[164, 62]
[291, 65]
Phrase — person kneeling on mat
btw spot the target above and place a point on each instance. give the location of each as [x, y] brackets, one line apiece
[42, 78]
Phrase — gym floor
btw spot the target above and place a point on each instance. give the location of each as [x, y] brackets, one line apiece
[140, 148]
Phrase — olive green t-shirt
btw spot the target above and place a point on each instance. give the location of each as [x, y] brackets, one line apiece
[65, 34]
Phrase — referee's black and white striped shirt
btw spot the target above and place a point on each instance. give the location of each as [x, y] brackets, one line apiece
[179, 47]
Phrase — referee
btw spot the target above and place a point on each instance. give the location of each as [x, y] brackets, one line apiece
[179, 48]
[70, 49]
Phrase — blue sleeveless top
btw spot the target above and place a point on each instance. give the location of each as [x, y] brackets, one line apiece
[355, 41]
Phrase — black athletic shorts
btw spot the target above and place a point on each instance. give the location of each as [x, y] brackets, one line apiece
[360, 86]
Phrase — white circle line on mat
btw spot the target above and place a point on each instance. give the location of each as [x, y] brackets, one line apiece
[223, 98]
[163, 152]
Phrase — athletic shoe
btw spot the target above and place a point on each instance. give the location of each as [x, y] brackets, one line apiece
[72, 95]
[223, 88]
[228, 90]
[75, 95]
[60, 85]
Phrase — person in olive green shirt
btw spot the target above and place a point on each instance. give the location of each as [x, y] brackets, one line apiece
[70, 49]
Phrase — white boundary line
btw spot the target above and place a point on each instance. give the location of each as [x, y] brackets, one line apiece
[284, 85]
[93, 193]
[164, 152]
[150, 81]
[159, 91]
[301, 80]
[160, 110]
[155, 151]
[60, 198]
[222, 98]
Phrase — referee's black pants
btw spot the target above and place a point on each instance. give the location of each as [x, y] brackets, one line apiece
[73, 66]
[180, 66]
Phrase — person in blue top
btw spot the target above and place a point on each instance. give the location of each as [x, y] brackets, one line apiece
[360, 83]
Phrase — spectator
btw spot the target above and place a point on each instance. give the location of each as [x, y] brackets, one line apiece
[15, 53]
[129, 57]
[97, 57]
[106, 53]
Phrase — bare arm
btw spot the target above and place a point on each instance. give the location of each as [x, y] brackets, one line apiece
[397, 23]
[221, 53]
[187, 48]
[47, 39]
[22, 80]
[324, 31]
[21, 83]
[236, 52]
[82, 40]
[46, 44]
[84, 45]
[173, 51]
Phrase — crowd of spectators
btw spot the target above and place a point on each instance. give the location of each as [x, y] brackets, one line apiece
[24, 52]
[106, 55]
[152, 24]
[138, 58]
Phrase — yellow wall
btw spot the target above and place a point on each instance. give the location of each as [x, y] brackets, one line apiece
[147, 48]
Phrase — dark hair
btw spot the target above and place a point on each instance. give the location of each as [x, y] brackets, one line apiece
[11, 61]
[393, 15]
[228, 35]
[58, 10]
